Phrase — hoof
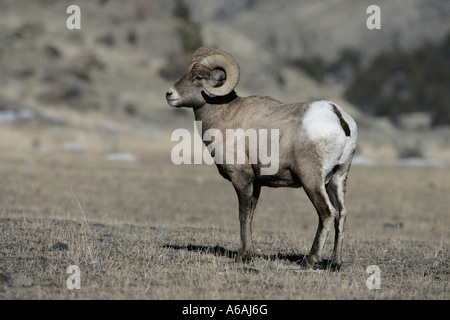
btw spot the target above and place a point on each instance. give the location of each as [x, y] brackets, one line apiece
[334, 265]
[244, 256]
[312, 263]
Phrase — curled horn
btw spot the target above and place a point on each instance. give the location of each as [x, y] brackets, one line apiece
[226, 62]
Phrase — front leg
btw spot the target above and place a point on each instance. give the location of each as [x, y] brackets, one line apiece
[248, 195]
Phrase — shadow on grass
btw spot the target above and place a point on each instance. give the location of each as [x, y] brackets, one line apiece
[221, 251]
[216, 250]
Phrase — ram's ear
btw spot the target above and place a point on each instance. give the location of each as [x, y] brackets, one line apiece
[217, 78]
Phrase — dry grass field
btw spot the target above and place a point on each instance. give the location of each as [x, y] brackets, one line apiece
[148, 229]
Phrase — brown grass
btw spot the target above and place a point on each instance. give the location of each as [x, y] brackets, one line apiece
[152, 230]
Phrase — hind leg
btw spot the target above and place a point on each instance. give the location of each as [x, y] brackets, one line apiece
[317, 193]
[336, 190]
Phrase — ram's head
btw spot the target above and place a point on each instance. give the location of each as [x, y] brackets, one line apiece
[212, 73]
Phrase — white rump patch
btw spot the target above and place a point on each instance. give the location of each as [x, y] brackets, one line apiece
[324, 129]
[320, 121]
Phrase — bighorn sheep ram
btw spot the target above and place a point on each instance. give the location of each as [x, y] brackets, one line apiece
[317, 141]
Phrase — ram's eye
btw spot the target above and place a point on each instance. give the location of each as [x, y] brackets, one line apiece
[198, 78]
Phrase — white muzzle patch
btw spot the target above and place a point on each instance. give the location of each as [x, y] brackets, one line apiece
[172, 97]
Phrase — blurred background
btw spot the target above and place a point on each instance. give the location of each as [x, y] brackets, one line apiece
[81, 90]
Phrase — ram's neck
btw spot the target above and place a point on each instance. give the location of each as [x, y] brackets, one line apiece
[212, 113]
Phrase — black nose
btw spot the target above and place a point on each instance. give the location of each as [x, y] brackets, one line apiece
[168, 94]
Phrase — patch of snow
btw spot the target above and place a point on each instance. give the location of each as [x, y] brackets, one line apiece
[121, 156]
[43, 149]
[151, 133]
[75, 146]
[363, 161]
[108, 126]
[405, 162]
[13, 115]
[417, 162]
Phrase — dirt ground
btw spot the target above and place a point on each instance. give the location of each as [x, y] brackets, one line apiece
[148, 229]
